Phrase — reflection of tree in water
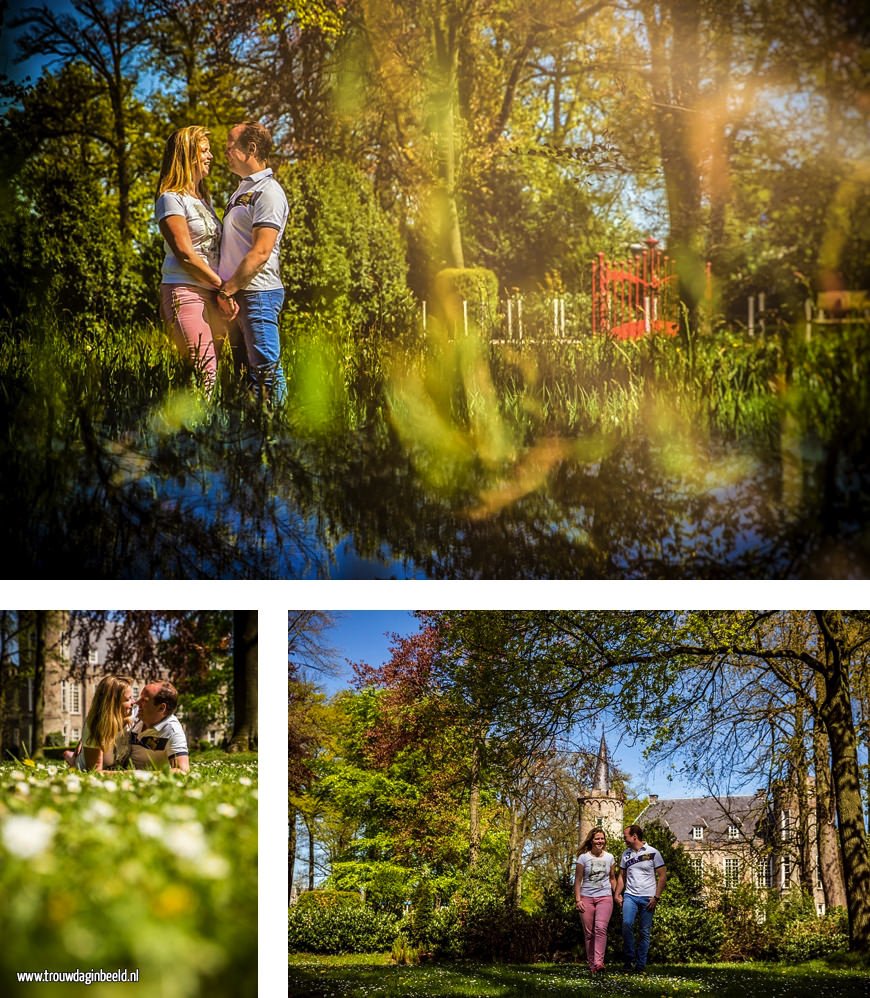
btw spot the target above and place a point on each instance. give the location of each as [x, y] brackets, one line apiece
[230, 493]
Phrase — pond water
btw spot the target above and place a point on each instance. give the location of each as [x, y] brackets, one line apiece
[252, 501]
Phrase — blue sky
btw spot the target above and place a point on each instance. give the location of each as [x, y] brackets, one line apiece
[364, 636]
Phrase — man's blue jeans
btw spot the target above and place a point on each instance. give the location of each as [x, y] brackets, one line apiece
[635, 908]
[258, 321]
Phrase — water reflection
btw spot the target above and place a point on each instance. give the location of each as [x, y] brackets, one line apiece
[239, 497]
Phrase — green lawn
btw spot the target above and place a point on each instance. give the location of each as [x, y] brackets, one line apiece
[372, 975]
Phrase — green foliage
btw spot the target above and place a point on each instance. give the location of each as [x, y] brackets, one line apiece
[686, 933]
[403, 953]
[54, 739]
[155, 871]
[387, 885]
[339, 929]
[341, 255]
[760, 924]
[325, 898]
[476, 285]
[421, 914]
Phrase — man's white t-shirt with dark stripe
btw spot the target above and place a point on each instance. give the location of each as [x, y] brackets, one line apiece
[640, 870]
[153, 747]
[259, 200]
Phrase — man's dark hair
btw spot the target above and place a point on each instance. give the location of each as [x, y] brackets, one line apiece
[167, 694]
[636, 831]
[256, 140]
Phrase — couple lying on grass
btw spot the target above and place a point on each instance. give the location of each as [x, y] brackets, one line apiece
[119, 734]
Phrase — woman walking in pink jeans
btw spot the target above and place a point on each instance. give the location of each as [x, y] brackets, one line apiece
[192, 236]
[594, 884]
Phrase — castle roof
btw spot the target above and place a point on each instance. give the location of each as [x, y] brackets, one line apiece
[714, 814]
[601, 781]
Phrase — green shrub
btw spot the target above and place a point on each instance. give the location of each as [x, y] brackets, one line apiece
[324, 898]
[54, 739]
[339, 929]
[340, 253]
[808, 937]
[476, 285]
[403, 952]
[686, 933]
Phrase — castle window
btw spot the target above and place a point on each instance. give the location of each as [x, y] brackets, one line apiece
[732, 872]
[733, 832]
[76, 734]
[697, 832]
[785, 870]
[785, 826]
[94, 658]
[764, 872]
[599, 822]
[696, 865]
[70, 697]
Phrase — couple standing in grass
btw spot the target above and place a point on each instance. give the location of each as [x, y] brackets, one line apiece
[637, 889]
[221, 276]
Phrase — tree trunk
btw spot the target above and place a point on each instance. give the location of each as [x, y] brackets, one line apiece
[830, 862]
[446, 38]
[292, 839]
[675, 97]
[836, 713]
[474, 802]
[516, 845]
[244, 736]
[309, 825]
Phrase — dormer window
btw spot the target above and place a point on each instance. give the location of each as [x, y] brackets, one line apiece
[733, 832]
[697, 832]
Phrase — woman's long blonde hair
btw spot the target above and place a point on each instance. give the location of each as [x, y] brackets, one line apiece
[182, 156]
[106, 718]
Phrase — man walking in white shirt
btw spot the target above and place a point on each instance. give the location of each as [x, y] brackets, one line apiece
[641, 880]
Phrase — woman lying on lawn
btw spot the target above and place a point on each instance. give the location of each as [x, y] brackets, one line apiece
[105, 742]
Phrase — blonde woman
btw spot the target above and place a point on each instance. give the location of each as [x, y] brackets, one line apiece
[192, 237]
[594, 886]
[105, 742]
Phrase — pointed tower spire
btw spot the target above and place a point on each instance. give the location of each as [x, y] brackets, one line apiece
[602, 768]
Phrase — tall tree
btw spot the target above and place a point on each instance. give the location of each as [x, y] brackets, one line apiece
[105, 36]
[245, 675]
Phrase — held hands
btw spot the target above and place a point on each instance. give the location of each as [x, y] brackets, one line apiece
[618, 899]
[229, 306]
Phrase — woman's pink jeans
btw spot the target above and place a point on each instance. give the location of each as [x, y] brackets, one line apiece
[197, 325]
[596, 916]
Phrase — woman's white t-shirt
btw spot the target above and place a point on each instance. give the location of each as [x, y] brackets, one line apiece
[595, 872]
[205, 234]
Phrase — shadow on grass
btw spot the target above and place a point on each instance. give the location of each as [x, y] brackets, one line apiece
[325, 977]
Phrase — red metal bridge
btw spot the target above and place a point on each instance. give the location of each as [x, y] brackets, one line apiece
[633, 298]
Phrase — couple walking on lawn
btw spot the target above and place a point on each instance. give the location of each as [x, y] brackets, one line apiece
[637, 889]
[222, 278]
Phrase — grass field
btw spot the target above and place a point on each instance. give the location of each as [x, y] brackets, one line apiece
[373, 975]
[152, 872]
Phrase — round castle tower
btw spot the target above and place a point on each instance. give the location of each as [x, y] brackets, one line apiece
[600, 807]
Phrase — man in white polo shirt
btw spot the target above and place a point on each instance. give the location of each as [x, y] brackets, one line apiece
[254, 221]
[157, 739]
[641, 880]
